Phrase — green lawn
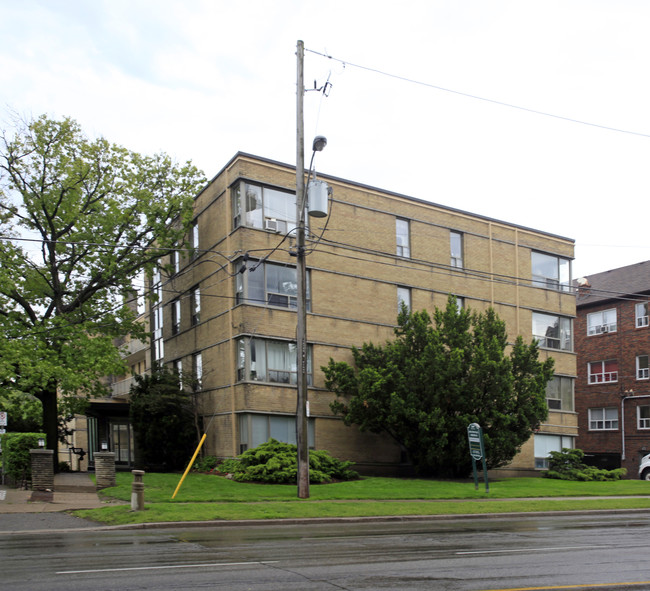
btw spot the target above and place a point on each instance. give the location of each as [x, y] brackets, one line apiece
[207, 497]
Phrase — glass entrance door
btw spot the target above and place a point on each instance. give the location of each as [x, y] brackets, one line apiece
[122, 443]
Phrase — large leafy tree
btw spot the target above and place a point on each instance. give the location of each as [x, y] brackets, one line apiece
[435, 378]
[80, 218]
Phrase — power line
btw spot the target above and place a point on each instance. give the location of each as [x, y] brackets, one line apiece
[478, 98]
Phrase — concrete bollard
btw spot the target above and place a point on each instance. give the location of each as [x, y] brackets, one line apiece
[137, 491]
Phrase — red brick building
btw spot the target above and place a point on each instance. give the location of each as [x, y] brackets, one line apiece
[612, 343]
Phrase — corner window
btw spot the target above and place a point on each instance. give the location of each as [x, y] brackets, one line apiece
[642, 370]
[256, 429]
[559, 393]
[550, 272]
[402, 236]
[601, 322]
[641, 314]
[643, 417]
[403, 297]
[266, 208]
[456, 248]
[263, 360]
[552, 332]
[269, 284]
[601, 372]
[603, 419]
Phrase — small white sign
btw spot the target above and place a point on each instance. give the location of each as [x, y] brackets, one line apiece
[3, 418]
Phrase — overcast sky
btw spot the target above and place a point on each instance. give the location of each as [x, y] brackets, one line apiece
[417, 102]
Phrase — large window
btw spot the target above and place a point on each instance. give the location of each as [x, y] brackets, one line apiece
[545, 444]
[603, 371]
[255, 429]
[456, 247]
[551, 272]
[256, 206]
[176, 316]
[641, 314]
[603, 419]
[403, 297]
[402, 237]
[642, 368]
[559, 393]
[601, 322]
[552, 332]
[271, 284]
[270, 361]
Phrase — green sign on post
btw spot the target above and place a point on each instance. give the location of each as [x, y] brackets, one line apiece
[477, 451]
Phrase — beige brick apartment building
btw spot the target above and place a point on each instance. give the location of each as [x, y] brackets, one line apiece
[227, 311]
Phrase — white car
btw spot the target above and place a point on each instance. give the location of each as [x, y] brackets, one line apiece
[644, 468]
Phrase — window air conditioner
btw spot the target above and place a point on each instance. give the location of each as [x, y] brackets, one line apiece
[271, 224]
[604, 329]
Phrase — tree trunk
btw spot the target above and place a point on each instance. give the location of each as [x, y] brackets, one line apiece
[49, 400]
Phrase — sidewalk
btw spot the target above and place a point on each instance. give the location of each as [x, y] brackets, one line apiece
[72, 490]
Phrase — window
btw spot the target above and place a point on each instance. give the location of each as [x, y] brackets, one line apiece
[195, 235]
[271, 284]
[195, 303]
[157, 313]
[642, 371]
[176, 261]
[559, 393]
[402, 237]
[552, 332]
[603, 419]
[545, 444]
[176, 316]
[177, 366]
[460, 303]
[255, 429]
[641, 314]
[261, 207]
[551, 272]
[270, 361]
[603, 371]
[643, 417]
[456, 247]
[601, 322]
[197, 370]
[403, 297]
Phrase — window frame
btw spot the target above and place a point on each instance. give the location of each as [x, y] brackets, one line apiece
[195, 305]
[559, 280]
[641, 320]
[594, 421]
[261, 216]
[249, 366]
[403, 234]
[564, 334]
[542, 451]
[243, 287]
[643, 423]
[403, 296]
[591, 377]
[247, 439]
[642, 373]
[564, 398]
[175, 310]
[598, 323]
[456, 260]
[197, 371]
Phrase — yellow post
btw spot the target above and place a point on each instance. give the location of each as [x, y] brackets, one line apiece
[190, 464]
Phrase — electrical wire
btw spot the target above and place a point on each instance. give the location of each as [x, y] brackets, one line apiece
[477, 97]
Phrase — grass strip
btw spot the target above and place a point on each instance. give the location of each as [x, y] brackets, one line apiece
[168, 512]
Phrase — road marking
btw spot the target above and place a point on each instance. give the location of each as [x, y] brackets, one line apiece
[583, 586]
[167, 566]
[530, 550]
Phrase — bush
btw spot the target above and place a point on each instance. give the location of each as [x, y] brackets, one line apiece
[15, 454]
[274, 462]
[205, 464]
[568, 465]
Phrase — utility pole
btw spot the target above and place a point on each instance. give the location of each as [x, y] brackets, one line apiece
[302, 442]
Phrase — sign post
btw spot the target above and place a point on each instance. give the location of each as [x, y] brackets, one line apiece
[477, 451]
